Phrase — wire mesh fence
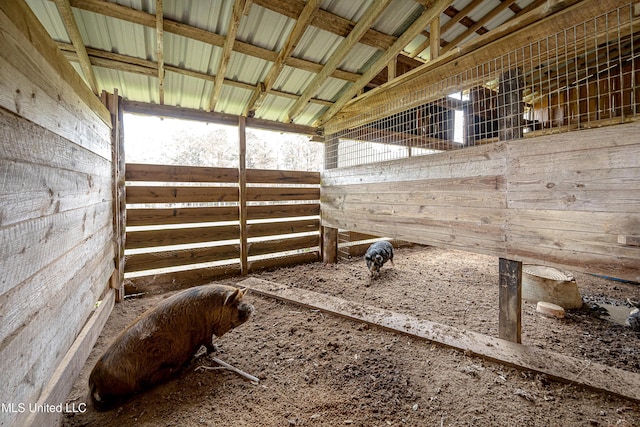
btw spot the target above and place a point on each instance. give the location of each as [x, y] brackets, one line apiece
[584, 76]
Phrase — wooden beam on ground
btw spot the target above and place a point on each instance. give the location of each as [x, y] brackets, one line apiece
[160, 50]
[64, 7]
[416, 28]
[364, 23]
[230, 38]
[59, 386]
[557, 366]
[296, 34]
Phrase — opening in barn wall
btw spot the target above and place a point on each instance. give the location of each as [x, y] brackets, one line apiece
[56, 210]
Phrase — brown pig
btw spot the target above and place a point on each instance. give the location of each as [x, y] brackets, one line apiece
[163, 340]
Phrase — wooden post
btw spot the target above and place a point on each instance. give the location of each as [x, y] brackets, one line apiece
[510, 297]
[510, 110]
[114, 104]
[329, 245]
[242, 185]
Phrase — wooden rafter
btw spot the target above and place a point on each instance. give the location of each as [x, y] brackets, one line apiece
[338, 55]
[415, 28]
[139, 17]
[489, 16]
[130, 64]
[234, 23]
[160, 50]
[64, 7]
[301, 25]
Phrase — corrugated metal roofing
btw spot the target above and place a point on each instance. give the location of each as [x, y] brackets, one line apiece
[266, 28]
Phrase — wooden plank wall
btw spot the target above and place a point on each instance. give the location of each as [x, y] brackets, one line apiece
[563, 200]
[55, 208]
[159, 196]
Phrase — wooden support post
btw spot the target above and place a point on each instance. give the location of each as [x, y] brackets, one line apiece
[242, 185]
[329, 245]
[510, 110]
[510, 297]
[114, 104]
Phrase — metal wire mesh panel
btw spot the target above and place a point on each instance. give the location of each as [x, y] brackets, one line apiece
[584, 76]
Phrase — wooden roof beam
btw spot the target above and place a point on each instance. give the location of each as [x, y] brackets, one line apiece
[130, 64]
[475, 27]
[160, 50]
[64, 7]
[328, 21]
[299, 28]
[345, 46]
[230, 38]
[418, 25]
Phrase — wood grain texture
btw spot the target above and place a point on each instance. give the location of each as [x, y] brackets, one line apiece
[560, 200]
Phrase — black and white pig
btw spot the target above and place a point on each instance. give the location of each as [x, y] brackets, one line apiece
[377, 254]
[160, 342]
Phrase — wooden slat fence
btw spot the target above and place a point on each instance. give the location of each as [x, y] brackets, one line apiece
[184, 223]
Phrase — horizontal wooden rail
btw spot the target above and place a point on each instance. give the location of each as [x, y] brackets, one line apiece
[283, 227]
[181, 236]
[287, 198]
[142, 217]
[164, 259]
[166, 173]
[282, 211]
[160, 194]
[282, 245]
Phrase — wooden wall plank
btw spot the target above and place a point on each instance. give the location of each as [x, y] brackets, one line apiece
[260, 194]
[283, 261]
[282, 245]
[61, 383]
[170, 173]
[30, 85]
[162, 283]
[560, 199]
[270, 176]
[283, 227]
[32, 352]
[282, 211]
[172, 258]
[32, 245]
[138, 217]
[180, 236]
[162, 194]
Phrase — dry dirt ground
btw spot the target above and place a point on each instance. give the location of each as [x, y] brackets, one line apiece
[316, 369]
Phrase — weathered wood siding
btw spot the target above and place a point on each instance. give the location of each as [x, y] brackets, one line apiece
[560, 200]
[276, 201]
[56, 232]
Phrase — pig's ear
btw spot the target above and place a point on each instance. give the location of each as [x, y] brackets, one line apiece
[244, 291]
[233, 296]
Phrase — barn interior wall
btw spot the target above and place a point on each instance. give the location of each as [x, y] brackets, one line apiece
[565, 200]
[56, 230]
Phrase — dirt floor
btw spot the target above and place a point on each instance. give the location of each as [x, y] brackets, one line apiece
[316, 369]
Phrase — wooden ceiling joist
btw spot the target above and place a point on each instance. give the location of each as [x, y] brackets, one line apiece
[234, 23]
[338, 55]
[259, 94]
[160, 50]
[64, 7]
[129, 64]
[418, 25]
